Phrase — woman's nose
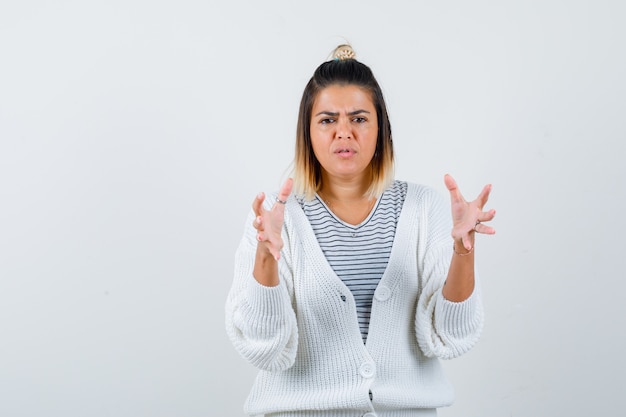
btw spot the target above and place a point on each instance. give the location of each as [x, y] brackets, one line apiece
[344, 130]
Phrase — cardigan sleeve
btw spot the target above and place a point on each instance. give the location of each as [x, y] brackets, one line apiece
[444, 329]
[260, 320]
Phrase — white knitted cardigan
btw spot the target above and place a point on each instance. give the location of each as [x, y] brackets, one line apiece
[304, 335]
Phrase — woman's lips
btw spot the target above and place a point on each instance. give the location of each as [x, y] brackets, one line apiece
[345, 152]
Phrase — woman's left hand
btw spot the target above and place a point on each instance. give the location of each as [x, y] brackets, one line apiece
[468, 217]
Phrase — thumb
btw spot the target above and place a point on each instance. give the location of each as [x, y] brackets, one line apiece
[455, 193]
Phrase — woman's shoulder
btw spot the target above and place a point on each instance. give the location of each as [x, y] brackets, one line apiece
[416, 190]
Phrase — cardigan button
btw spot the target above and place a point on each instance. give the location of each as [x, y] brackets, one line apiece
[367, 370]
[382, 293]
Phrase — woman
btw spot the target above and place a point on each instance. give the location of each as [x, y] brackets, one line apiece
[349, 291]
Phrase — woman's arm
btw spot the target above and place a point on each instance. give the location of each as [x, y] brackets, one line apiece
[269, 224]
[467, 219]
[449, 316]
[260, 319]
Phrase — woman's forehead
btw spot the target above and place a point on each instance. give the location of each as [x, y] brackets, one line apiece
[343, 97]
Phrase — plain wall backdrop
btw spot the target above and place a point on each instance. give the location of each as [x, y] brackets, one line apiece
[134, 135]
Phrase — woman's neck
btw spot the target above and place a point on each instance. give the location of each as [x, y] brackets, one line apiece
[350, 201]
[340, 190]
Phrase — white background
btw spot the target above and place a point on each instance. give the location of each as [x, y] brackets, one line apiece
[134, 135]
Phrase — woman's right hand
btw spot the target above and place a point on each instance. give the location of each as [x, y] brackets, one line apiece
[269, 223]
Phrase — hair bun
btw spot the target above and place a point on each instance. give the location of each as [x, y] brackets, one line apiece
[343, 52]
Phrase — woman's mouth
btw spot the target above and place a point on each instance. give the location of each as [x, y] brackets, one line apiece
[345, 152]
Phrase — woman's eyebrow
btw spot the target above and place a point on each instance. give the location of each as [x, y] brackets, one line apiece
[353, 113]
[335, 114]
[327, 113]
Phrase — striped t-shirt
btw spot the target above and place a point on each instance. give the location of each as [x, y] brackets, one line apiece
[359, 253]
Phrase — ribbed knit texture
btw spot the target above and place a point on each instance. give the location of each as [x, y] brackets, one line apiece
[304, 335]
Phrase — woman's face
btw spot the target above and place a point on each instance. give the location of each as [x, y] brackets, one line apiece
[344, 131]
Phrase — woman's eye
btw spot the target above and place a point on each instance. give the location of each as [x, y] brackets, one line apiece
[359, 120]
[326, 121]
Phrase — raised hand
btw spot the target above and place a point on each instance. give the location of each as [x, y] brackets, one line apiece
[468, 217]
[269, 223]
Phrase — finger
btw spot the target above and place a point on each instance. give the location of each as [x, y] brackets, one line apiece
[484, 229]
[455, 193]
[487, 215]
[257, 223]
[484, 196]
[261, 237]
[257, 204]
[467, 242]
[285, 190]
